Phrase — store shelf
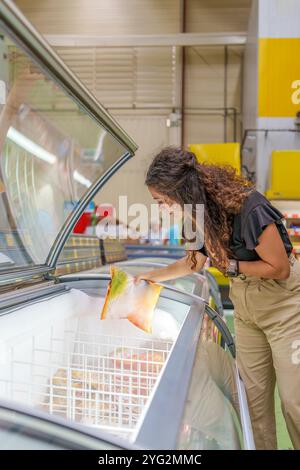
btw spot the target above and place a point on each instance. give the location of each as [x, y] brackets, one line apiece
[294, 232]
[291, 215]
[291, 212]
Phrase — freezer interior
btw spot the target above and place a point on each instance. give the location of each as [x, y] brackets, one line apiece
[59, 357]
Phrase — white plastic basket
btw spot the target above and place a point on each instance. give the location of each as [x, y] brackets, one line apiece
[102, 380]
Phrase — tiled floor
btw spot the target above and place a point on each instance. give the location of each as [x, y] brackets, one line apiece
[282, 434]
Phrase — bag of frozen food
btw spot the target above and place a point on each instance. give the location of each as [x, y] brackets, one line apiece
[126, 299]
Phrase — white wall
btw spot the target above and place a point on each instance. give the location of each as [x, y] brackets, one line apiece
[145, 77]
[217, 15]
[152, 134]
[205, 75]
[279, 18]
[102, 17]
[250, 89]
[250, 83]
[268, 19]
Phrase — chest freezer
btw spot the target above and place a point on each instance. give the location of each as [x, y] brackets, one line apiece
[67, 379]
[173, 389]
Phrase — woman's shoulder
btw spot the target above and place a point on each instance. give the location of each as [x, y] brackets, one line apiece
[257, 212]
[254, 198]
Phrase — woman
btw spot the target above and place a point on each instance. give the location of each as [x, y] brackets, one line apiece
[244, 236]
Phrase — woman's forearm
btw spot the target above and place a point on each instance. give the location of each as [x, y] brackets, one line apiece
[263, 269]
[165, 274]
[180, 268]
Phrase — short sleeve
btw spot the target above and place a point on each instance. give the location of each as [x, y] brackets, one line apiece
[189, 247]
[203, 251]
[257, 220]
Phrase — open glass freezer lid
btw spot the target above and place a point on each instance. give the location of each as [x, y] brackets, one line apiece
[58, 146]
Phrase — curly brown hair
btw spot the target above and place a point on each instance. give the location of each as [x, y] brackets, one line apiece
[176, 173]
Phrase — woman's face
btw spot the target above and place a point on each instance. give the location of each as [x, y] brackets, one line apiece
[164, 201]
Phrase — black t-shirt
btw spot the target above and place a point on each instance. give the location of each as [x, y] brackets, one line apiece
[256, 213]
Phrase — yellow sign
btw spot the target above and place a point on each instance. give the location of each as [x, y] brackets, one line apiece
[218, 154]
[279, 77]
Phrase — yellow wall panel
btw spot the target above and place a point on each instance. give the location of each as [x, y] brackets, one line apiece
[284, 175]
[218, 154]
[279, 77]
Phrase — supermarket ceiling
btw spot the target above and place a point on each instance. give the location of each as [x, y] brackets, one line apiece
[120, 17]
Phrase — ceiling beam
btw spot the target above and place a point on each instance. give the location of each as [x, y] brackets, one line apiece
[148, 40]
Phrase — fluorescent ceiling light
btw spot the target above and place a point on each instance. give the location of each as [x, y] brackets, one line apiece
[81, 179]
[30, 146]
[99, 148]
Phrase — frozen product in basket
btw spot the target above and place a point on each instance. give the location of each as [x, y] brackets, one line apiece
[78, 390]
[136, 373]
[111, 392]
[143, 362]
[127, 300]
[94, 397]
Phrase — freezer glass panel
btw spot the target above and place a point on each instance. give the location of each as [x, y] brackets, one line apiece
[22, 431]
[51, 153]
[212, 413]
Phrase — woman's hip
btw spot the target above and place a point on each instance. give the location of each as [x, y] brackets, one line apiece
[267, 300]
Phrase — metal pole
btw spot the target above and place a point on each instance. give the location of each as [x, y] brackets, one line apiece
[225, 91]
[183, 26]
[234, 125]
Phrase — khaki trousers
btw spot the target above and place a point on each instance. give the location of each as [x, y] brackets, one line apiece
[267, 327]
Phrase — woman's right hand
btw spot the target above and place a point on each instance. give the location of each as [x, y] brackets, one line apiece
[141, 277]
[179, 268]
